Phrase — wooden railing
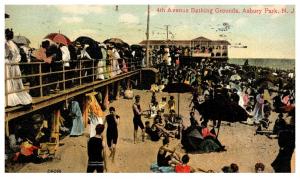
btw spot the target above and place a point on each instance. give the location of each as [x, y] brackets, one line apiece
[81, 72]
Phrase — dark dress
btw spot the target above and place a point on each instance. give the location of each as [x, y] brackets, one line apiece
[95, 158]
[112, 130]
[286, 142]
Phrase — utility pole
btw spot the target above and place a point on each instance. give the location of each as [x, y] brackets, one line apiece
[147, 35]
[167, 28]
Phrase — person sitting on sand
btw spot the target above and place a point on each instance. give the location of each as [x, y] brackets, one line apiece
[163, 129]
[206, 132]
[166, 160]
[158, 119]
[210, 134]
[153, 133]
[279, 125]
[172, 116]
[233, 168]
[153, 109]
[183, 166]
[162, 104]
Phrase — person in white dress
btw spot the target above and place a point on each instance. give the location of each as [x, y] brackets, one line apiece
[101, 66]
[16, 94]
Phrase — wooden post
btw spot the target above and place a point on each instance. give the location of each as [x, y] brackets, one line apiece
[80, 71]
[219, 125]
[6, 128]
[140, 77]
[93, 70]
[55, 128]
[64, 76]
[41, 79]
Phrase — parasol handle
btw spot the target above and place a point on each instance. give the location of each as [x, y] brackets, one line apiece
[219, 125]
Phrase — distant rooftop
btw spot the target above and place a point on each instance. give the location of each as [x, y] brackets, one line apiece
[185, 42]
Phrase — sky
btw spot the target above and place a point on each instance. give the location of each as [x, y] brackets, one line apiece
[266, 35]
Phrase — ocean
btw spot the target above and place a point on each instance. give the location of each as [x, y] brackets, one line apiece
[283, 64]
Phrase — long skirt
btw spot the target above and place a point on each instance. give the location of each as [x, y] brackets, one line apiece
[100, 70]
[77, 127]
[14, 87]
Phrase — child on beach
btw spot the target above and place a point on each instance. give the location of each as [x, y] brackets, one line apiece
[183, 166]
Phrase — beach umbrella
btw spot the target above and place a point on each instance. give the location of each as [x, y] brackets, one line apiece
[58, 38]
[178, 88]
[21, 40]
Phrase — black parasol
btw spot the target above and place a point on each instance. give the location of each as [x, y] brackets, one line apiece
[119, 43]
[220, 109]
[93, 49]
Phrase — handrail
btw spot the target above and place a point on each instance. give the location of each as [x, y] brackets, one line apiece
[62, 74]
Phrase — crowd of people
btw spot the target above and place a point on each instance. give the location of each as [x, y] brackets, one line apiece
[258, 92]
[247, 89]
[63, 66]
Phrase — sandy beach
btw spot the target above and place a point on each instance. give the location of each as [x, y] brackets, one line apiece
[243, 147]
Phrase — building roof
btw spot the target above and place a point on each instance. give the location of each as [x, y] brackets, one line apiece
[155, 42]
[185, 42]
[223, 42]
[202, 39]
